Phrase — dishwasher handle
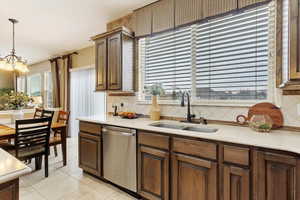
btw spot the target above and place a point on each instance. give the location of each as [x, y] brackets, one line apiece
[119, 131]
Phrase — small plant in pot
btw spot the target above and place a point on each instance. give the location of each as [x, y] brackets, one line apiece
[155, 90]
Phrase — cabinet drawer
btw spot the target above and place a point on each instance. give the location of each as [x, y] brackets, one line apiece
[90, 127]
[196, 148]
[154, 140]
[236, 155]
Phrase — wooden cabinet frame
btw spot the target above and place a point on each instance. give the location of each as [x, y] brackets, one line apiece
[208, 182]
[101, 62]
[114, 60]
[275, 176]
[236, 183]
[157, 180]
[86, 143]
[292, 86]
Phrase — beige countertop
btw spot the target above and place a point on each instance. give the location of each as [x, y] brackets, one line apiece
[10, 167]
[276, 139]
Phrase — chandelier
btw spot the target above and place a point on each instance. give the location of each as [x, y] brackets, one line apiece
[12, 62]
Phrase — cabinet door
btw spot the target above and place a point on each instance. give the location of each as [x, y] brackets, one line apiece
[153, 175]
[275, 177]
[193, 178]
[294, 57]
[236, 185]
[90, 153]
[9, 190]
[101, 64]
[114, 62]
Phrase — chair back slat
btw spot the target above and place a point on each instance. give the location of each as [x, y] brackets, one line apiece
[31, 133]
[48, 113]
[38, 113]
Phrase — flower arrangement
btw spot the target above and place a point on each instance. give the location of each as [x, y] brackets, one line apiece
[17, 100]
[155, 89]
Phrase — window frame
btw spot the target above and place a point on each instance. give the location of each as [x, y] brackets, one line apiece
[230, 103]
[43, 86]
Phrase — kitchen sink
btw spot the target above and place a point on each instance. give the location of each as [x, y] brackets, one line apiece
[184, 127]
[165, 125]
[198, 129]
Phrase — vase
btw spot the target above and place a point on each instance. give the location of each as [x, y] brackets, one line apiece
[16, 115]
[155, 109]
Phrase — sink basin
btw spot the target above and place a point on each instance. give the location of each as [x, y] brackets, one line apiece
[165, 125]
[183, 127]
[198, 129]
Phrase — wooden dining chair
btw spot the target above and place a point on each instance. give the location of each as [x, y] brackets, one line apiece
[47, 113]
[32, 140]
[38, 113]
[63, 118]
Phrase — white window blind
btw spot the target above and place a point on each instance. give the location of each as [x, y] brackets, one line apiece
[168, 60]
[232, 56]
[220, 59]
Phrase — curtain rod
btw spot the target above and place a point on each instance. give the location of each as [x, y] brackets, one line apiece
[63, 56]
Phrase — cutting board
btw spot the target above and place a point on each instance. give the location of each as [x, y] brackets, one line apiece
[265, 109]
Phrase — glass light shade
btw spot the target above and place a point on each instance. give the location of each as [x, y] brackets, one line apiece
[8, 66]
[20, 66]
[2, 64]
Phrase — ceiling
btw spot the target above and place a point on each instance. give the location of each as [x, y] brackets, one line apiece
[50, 27]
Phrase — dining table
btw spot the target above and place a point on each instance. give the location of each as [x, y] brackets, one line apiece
[8, 132]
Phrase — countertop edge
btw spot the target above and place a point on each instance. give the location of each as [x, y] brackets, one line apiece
[167, 131]
[14, 175]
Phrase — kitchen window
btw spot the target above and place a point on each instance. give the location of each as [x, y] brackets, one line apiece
[221, 59]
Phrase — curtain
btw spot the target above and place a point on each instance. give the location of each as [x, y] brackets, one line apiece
[55, 82]
[65, 82]
[84, 101]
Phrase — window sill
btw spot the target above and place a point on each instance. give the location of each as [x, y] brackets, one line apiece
[213, 103]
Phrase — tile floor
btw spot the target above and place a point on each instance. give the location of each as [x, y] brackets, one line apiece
[67, 183]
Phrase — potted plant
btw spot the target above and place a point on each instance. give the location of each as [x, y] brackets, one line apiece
[16, 101]
[155, 90]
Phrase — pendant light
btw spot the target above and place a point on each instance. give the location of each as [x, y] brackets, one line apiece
[12, 62]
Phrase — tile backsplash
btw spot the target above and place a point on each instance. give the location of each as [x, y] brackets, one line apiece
[288, 107]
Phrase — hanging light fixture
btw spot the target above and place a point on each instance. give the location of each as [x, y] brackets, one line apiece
[12, 62]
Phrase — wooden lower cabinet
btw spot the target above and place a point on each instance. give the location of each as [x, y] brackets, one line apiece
[90, 153]
[236, 183]
[153, 173]
[193, 178]
[275, 176]
[9, 190]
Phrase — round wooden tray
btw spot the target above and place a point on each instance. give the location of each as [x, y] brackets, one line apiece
[263, 109]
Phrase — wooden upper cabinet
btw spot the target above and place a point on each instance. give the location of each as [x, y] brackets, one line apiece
[162, 15]
[187, 11]
[294, 43]
[101, 50]
[216, 7]
[143, 21]
[275, 177]
[193, 178]
[244, 3]
[114, 62]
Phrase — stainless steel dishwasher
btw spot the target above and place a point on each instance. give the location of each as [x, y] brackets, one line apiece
[119, 156]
